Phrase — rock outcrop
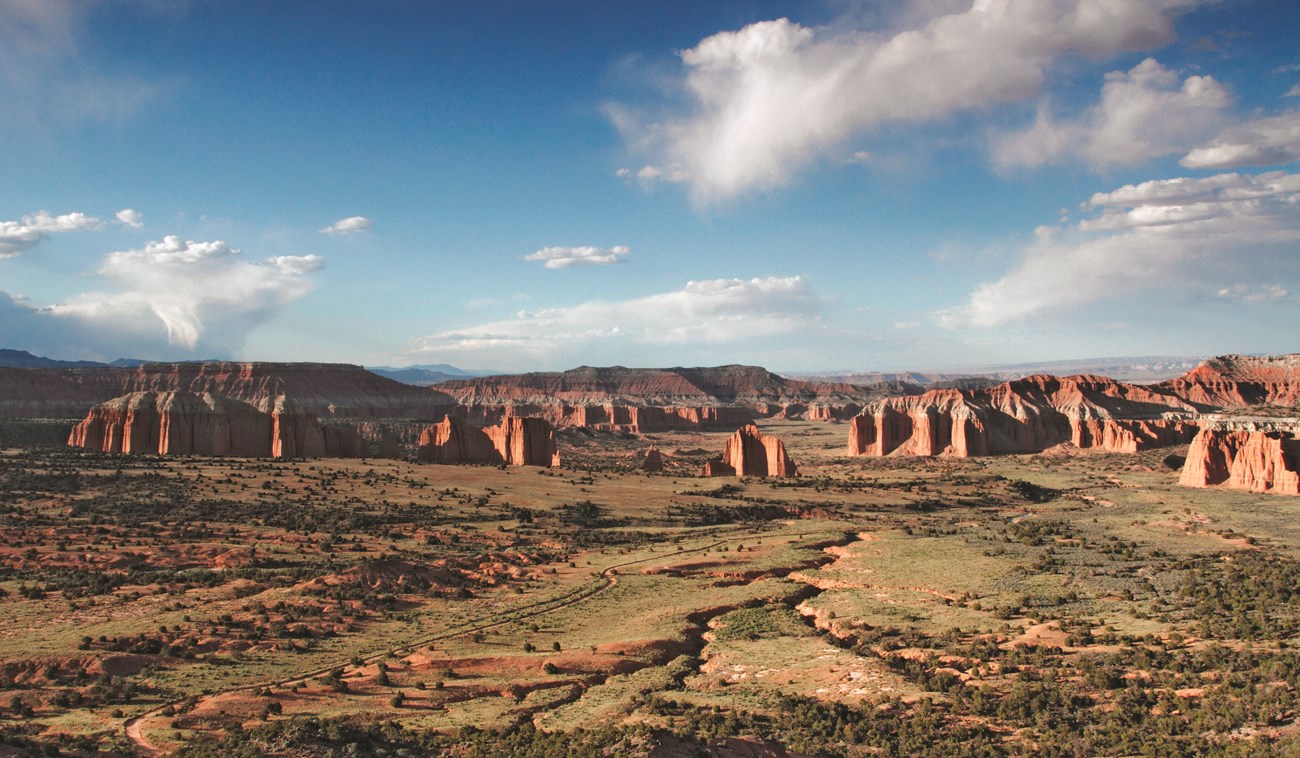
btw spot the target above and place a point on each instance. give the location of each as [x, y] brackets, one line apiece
[175, 423]
[295, 433]
[324, 389]
[525, 442]
[514, 442]
[1233, 382]
[653, 400]
[1258, 461]
[203, 423]
[749, 452]
[453, 440]
[1023, 416]
[653, 462]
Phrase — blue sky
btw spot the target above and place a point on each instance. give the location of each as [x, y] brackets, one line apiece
[539, 185]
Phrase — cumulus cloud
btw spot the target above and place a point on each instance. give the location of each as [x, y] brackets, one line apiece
[1143, 113]
[348, 225]
[1271, 141]
[774, 96]
[1168, 238]
[567, 257]
[198, 297]
[31, 230]
[132, 219]
[709, 312]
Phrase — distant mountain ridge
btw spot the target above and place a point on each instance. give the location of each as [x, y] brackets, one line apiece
[1147, 369]
[425, 375]
[24, 359]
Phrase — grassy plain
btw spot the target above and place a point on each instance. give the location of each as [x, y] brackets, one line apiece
[1065, 602]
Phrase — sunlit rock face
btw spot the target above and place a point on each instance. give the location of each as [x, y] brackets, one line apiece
[1027, 415]
[514, 442]
[749, 452]
[1255, 460]
[203, 423]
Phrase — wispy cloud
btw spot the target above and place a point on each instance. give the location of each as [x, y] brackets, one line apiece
[1182, 237]
[43, 79]
[773, 97]
[1143, 113]
[1252, 294]
[706, 313]
[567, 257]
[349, 225]
[1270, 141]
[31, 230]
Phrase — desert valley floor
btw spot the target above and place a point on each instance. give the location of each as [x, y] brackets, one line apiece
[1064, 603]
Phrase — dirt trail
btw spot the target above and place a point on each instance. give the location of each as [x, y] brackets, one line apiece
[134, 726]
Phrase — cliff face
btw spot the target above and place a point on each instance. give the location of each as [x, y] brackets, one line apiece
[174, 423]
[326, 390]
[1258, 461]
[651, 400]
[454, 441]
[297, 433]
[1023, 416]
[201, 423]
[1240, 381]
[525, 442]
[749, 452]
[614, 417]
[514, 442]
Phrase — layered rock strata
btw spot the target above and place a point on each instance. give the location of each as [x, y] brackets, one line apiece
[1258, 461]
[1024, 416]
[653, 400]
[324, 389]
[1233, 382]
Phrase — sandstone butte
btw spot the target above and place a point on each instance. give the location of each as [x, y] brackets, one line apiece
[643, 400]
[324, 389]
[653, 462]
[1255, 460]
[203, 423]
[1027, 415]
[514, 441]
[749, 452]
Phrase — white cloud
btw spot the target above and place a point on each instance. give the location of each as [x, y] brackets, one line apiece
[1149, 242]
[566, 257]
[774, 96]
[1259, 293]
[31, 230]
[1143, 113]
[1270, 141]
[129, 218]
[348, 225]
[1293, 92]
[703, 313]
[199, 296]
